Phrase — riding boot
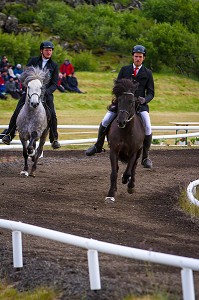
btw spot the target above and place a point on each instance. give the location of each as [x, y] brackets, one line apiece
[97, 148]
[10, 132]
[146, 162]
[53, 135]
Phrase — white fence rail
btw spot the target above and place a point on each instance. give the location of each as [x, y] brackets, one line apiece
[16, 144]
[191, 191]
[187, 265]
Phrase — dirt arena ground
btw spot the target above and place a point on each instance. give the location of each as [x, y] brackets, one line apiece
[68, 195]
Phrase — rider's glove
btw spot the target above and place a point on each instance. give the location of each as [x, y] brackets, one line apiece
[142, 100]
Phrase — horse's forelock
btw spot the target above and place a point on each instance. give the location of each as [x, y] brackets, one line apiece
[124, 85]
[31, 73]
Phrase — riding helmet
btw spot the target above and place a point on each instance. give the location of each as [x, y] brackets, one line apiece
[139, 49]
[46, 44]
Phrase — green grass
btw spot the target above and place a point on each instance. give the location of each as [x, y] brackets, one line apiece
[187, 206]
[9, 293]
[148, 297]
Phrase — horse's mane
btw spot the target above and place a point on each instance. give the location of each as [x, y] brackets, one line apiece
[32, 73]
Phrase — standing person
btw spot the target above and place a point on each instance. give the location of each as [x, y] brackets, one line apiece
[145, 93]
[44, 61]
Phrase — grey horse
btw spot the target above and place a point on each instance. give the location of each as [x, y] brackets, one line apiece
[32, 122]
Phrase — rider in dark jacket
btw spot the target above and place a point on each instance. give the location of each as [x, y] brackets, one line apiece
[145, 93]
[44, 61]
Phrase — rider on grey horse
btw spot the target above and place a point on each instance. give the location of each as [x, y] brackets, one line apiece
[44, 61]
[145, 93]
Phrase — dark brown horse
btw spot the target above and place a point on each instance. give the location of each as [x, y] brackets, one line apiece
[125, 137]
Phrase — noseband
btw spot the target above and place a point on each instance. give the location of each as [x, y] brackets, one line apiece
[30, 96]
[125, 111]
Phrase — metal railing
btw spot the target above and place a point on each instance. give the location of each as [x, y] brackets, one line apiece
[16, 144]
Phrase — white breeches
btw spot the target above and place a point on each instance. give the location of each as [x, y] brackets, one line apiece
[110, 116]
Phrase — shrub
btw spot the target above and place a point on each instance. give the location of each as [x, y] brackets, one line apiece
[85, 61]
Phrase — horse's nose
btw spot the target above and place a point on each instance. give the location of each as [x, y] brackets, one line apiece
[121, 124]
[34, 105]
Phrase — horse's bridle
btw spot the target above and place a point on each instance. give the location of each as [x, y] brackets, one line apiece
[125, 111]
[30, 96]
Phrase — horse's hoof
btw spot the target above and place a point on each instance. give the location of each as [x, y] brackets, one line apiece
[125, 180]
[32, 174]
[130, 190]
[109, 200]
[24, 173]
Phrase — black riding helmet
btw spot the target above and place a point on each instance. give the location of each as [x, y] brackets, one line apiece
[46, 44]
[139, 49]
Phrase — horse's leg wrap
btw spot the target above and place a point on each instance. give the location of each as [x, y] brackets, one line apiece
[97, 148]
[32, 144]
[146, 162]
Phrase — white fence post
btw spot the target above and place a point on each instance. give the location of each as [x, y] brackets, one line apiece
[93, 266]
[17, 249]
[187, 284]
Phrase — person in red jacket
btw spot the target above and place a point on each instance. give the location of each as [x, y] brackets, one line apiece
[67, 68]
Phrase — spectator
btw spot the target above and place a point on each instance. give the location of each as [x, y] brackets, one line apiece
[4, 74]
[60, 87]
[18, 70]
[73, 84]
[12, 89]
[10, 71]
[67, 68]
[2, 88]
[3, 62]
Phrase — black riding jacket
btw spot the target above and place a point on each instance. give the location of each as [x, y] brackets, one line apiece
[53, 69]
[146, 83]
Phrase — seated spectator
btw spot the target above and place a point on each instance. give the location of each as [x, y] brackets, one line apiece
[69, 80]
[18, 70]
[67, 68]
[3, 63]
[10, 71]
[70, 84]
[60, 87]
[73, 84]
[2, 88]
[12, 89]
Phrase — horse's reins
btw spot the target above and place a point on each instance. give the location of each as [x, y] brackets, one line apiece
[128, 113]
